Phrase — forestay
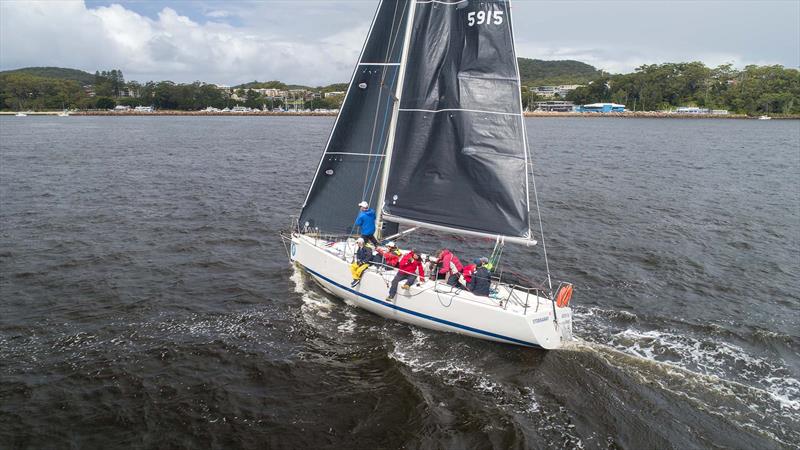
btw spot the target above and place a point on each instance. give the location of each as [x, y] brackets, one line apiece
[459, 156]
[351, 166]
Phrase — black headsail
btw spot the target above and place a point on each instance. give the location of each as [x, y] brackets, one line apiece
[351, 167]
[459, 155]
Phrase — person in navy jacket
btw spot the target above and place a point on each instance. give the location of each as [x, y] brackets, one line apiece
[366, 222]
[481, 281]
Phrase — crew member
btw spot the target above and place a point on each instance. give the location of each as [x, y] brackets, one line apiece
[469, 270]
[391, 255]
[450, 266]
[481, 280]
[366, 222]
[409, 264]
[362, 258]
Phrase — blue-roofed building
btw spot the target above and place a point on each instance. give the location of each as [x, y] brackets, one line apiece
[601, 108]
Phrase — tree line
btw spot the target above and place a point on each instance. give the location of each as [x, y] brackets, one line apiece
[655, 87]
[24, 91]
[753, 90]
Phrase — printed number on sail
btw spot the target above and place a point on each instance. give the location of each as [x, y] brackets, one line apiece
[484, 18]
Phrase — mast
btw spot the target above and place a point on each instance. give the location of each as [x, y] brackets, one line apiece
[393, 124]
[462, 159]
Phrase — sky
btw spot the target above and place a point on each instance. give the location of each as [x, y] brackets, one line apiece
[316, 42]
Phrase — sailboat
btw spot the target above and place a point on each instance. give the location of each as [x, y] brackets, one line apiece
[431, 132]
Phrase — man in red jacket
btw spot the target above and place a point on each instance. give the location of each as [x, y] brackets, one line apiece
[450, 266]
[391, 255]
[409, 264]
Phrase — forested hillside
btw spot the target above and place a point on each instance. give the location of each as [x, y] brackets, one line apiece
[536, 72]
[59, 73]
[654, 87]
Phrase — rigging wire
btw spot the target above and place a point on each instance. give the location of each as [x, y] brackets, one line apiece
[541, 227]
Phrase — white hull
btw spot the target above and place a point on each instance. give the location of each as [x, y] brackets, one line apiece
[435, 305]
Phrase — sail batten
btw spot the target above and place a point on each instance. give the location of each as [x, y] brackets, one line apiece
[460, 156]
[461, 109]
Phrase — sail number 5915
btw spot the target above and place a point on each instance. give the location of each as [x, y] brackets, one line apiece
[484, 18]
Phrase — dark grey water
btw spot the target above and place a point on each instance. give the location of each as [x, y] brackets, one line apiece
[146, 300]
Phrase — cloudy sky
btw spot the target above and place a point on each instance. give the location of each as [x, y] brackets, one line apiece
[316, 41]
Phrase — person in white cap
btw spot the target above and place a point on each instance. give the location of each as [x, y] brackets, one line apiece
[366, 222]
[362, 258]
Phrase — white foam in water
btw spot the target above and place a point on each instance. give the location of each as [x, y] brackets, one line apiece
[757, 384]
[313, 303]
[349, 325]
[455, 368]
[297, 279]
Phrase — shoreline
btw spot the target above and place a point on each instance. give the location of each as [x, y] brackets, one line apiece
[628, 114]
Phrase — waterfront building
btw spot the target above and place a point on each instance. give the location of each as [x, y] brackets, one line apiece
[697, 110]
[552, 91]
[334, 94]
[554, 106]
[270, 92]
[128, 92]
[601, 107]
[690, 110]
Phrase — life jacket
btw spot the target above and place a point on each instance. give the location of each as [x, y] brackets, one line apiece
[468, 271]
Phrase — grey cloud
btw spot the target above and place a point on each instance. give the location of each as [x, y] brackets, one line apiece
[316, 42]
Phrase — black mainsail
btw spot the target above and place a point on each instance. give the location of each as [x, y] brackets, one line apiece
[459, 155]
[431, 131]
[351, 167]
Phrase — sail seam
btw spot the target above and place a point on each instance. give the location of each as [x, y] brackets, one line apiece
[459, 109]
[381, 155]
[441, 2]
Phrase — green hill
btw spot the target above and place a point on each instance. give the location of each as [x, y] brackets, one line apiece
[58, 73]
[536, 72]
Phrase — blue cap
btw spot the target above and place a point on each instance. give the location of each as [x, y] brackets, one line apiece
[476, 260]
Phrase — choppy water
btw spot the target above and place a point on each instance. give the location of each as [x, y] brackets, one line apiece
[146, 300]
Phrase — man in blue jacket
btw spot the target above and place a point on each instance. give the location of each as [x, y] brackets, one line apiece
[366, 222]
